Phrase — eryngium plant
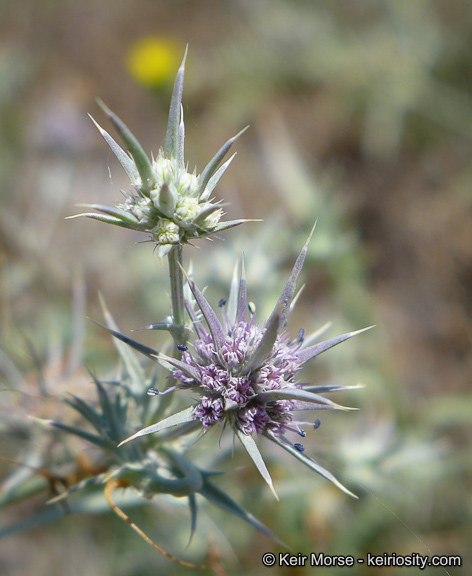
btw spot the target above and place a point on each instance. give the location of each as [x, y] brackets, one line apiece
[244, 376]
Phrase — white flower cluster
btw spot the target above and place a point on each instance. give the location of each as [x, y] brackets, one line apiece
[173, 212]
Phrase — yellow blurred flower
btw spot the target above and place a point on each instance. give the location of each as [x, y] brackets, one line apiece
[153, 60]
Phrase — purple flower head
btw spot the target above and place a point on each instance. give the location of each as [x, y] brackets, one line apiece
[245, 375]
[251, 370]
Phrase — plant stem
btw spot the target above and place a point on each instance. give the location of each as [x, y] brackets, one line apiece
[177, 285]
[180, 336]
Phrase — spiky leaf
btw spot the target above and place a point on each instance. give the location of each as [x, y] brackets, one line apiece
[250, 444]
[143, 164]
[307, 353]
[174, 420]
[171, 146]
[286, 445]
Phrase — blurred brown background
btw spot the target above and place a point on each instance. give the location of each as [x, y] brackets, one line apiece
[361, 117]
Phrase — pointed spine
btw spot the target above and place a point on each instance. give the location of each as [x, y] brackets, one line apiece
[208, 190]
[123, 158]
[241, 313]
[265, 346]
[232, 305]
[250, 444]
[201, 332]
[211, 167]
[211, 319]
[143, 164]
[172, 143]
[181, 141]
[174, 420]
[313, 351]
[288, 293]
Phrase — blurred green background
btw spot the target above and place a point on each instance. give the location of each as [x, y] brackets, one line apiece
[361, 117]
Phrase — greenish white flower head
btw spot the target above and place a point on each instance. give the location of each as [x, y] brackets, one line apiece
[174, 212]
[167, 202]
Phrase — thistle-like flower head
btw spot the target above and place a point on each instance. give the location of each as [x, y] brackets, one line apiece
[169, 203]
[245, 376]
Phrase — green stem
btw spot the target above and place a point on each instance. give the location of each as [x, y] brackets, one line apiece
[177, 286]
[180, 336]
